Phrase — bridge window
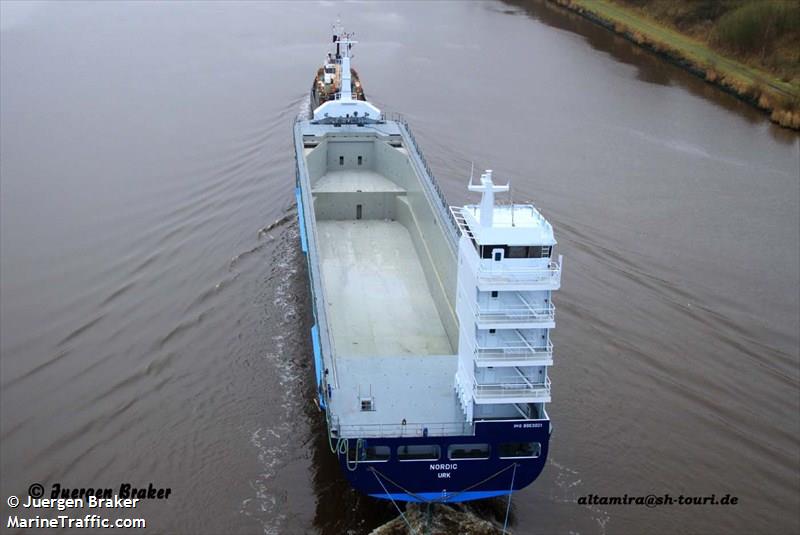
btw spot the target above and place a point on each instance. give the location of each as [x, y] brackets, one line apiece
[518, 252]
[526, 251]
[359, 160]
[418, 453]
[539, 251]
[520, 450]
[486, 250]
[341, 160]
[468, 451]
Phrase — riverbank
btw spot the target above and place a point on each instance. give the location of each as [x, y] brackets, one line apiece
[779, 98]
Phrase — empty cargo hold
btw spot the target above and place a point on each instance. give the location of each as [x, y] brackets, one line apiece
[382, 291]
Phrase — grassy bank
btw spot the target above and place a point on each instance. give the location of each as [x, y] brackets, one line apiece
[748, 47]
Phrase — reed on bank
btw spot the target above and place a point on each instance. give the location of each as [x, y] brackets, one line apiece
[748, 47]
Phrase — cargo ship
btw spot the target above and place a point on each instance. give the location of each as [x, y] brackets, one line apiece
[431, 336]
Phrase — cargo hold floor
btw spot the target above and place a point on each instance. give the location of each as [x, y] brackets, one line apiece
[377, 298]
[350, 180]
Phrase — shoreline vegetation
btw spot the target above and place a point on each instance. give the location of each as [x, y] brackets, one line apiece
[749, 48]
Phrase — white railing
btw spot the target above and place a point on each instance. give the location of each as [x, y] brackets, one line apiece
[508, 313]
[317, 289]
[412, 430]
[514, 387]
[457, 215]
[513, 351]
[431, 186]
[533, 277]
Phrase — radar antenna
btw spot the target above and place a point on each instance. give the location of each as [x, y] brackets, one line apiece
[471, 173]
[488, 189]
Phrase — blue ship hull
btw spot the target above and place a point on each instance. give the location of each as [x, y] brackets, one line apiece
[452, 481]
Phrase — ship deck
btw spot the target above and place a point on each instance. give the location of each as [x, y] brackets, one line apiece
[377, 297]
[383, 281]
[350, 180]
[412, 388]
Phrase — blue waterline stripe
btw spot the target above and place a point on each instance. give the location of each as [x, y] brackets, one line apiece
[301, 220]
[437, 496]
[318, 363]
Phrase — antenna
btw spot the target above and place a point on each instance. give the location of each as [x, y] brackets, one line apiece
[471, 172]
[511, 200]
[488, 189]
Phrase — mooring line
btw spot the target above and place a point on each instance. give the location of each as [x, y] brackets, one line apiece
[450, 496]
[394, 502]
[508, 507]
[417, 496]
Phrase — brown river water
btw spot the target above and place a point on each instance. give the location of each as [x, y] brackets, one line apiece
[155, 323]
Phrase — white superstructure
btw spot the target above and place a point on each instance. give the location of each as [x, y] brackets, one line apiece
[506, 276]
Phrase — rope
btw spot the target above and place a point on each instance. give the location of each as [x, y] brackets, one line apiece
[418, 497]
[484, 481]
[428, 520]
[328, 424]
[374, 473]
[347, 456]
[343, 447]
[333, 448]
[508, 507]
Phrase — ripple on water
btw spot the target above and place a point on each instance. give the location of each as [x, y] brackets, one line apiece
[274, 444]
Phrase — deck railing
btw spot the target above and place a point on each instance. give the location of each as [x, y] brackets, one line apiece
[514, 313]
[514, 387]
[317, 289]
[534, 277]
[432, 186]
[411, 430]
[514, 352]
